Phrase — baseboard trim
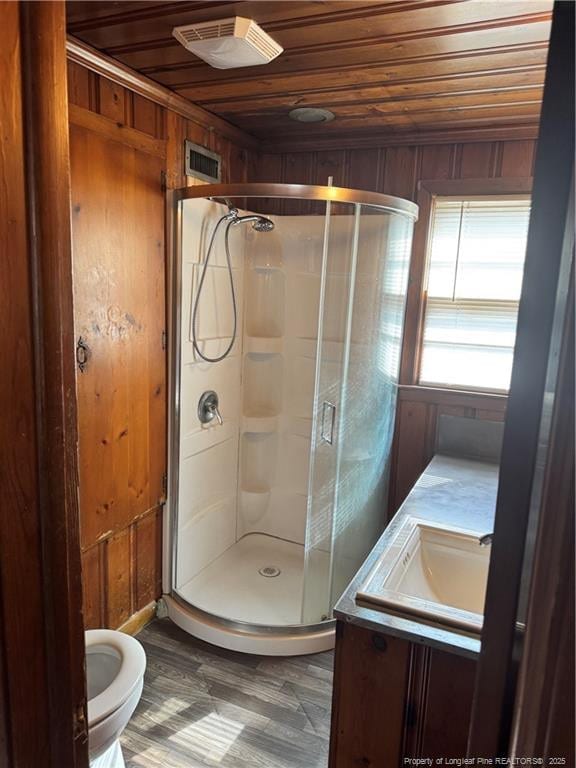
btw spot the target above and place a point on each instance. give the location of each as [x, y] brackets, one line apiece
[138, 620]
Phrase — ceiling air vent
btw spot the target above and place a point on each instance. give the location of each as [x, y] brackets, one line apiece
[229, 43]
[201, 163]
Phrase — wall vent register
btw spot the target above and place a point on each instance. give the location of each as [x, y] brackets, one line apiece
[201, 163]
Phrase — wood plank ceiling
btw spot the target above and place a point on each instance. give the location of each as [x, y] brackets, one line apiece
[417, 67]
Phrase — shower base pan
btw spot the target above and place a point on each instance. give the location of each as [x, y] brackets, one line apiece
[249, 599]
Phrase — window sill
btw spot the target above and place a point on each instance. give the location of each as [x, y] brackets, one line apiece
[492, 401]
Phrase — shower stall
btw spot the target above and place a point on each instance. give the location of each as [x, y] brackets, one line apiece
[287, 310]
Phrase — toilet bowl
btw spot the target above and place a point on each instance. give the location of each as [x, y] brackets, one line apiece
[115, 665]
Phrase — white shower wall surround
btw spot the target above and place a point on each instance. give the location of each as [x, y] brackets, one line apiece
[296, 477]
[249, 475]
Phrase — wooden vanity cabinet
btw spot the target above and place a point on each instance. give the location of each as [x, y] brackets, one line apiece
[395, 699]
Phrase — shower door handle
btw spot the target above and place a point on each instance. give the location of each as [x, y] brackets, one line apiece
[328, 419]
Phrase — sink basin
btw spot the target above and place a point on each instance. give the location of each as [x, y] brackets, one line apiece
[435, 572]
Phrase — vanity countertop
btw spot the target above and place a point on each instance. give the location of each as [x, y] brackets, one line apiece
[452, 491]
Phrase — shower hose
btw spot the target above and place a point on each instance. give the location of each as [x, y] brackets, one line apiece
[201, 284]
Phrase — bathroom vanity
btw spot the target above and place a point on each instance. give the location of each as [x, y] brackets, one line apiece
[408, 626]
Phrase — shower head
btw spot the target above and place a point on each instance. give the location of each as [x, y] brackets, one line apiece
[259, 223]
[263, 224]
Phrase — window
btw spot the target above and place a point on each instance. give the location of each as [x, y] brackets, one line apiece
[475, 265]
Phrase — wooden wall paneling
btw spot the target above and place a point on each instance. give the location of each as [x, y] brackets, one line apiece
[175, 136]
[416, 430]
[81, 86]
[119, 563]
[477, 160]
[331, 163]
[413, 447]
[445, 134]
[238, 164]
[93, 585]
[122, 572]
[437, 161]
[147, 535]
[298, 168]
[109, 68]
[104, 97]
[400, 171]
[118, 229]
[112, 100]
[147, 116]
[364, 167]
[116, 131]
[265, 167]
[199, 134]
[517, 158]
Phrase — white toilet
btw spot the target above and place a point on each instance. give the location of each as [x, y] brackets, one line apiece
[115, 665]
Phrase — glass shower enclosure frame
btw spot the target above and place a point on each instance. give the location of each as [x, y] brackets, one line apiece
[353, 408]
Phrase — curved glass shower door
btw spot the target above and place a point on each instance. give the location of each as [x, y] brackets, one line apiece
[276, 498]
[364, 280]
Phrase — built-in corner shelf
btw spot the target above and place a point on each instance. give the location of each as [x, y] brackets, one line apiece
[258, 424]
[262, 401]
[267, 268]
[254, 503]
[263, 345]
[265, 303]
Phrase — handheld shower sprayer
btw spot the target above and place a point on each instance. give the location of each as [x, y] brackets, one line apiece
[232, 218]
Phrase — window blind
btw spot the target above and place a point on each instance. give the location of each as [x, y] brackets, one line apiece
[475, 267]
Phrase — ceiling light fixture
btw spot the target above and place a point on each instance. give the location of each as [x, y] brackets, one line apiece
[311, 115]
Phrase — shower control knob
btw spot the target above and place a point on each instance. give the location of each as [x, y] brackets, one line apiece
[208, 408]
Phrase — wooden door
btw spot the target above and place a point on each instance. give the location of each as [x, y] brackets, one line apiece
[118, 252]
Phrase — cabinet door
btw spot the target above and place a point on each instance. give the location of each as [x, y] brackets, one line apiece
[439, 704]
[370, 684]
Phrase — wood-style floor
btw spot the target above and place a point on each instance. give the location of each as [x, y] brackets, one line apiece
[204, 706]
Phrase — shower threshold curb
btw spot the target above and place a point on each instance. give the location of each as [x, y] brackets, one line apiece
[268, 642]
